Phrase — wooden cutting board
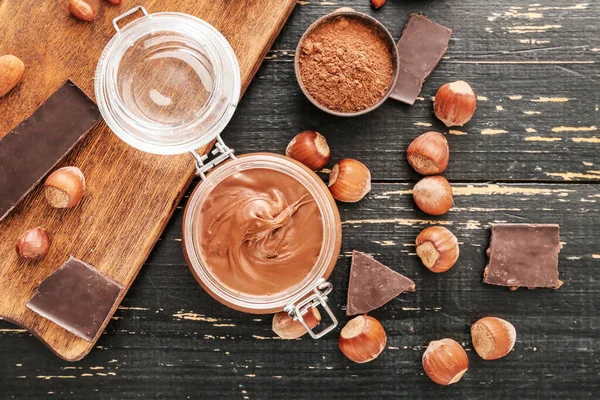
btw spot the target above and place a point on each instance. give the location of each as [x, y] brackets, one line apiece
[130, 194]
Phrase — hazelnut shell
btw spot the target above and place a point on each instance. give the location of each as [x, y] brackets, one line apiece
[83, 10]
[376, 4]
[362, 339]
[433, 195]
[429, 154]
[12, 70]
[445, 361]
[310, 148]
[455, 103]
[349, 181]
[493, 337]
[438, 248]
[286, 328]
[64, 187]
[33, 244]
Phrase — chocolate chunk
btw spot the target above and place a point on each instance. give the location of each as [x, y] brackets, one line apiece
[420, 49]
[77, 297]
[523, 255]
[372, 284]
[36, 145]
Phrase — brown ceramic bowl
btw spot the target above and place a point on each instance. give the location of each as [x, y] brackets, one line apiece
[367, 20]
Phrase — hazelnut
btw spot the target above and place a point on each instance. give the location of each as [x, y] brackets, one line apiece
[12, 70]
[433, 195]
[286, 328]
[428, 154]
[455, 103]
[349, 181]
[310, 148]
[82, 10]
[377, 3]
[493, 337]
[445, 361]
[362, 339]
[64, 187]
[33, 244]
[438, 248]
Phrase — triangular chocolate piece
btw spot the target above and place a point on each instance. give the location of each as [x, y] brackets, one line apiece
[372, 284]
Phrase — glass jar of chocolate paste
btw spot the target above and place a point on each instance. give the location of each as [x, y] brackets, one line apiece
[261, 233]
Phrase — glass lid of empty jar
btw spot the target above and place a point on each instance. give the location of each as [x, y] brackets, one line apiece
[167, 83]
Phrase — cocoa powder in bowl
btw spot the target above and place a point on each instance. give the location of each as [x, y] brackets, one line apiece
[346, 63]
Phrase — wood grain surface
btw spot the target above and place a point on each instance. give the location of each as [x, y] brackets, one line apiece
[535, 67]
[130, 195]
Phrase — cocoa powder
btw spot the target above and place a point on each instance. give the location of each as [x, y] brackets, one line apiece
[345, 65]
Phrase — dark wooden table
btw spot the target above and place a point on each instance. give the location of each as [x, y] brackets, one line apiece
[530, 154]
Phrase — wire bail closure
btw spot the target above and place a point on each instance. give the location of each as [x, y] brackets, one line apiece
[223, 151]
[299, 306]
[126, 14]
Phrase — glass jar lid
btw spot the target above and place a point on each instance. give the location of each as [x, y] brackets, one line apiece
[167, 83]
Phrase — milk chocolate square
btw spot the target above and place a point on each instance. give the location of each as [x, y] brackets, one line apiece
[77, 297]
[420, 49]
[523, 255]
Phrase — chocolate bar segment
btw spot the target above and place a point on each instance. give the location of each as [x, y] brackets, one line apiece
[372, 284]
[420, 49]
[77, 297]
[36, 145]
[523, 255]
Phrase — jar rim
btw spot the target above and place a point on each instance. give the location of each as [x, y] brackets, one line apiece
[331, 232]
[176, 138]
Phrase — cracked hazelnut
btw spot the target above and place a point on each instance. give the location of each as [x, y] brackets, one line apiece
[445, 361]
[362, 339]
[455, 103]
[493, 337]
[33, 244]
[428, 154]
[349, 181]
[286, 328]
[433, 195]
[437, 248]
[310, 148]
[64, 187]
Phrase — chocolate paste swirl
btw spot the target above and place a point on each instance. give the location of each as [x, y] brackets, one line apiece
[261, 232]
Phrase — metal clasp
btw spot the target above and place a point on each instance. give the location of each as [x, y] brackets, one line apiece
[299, 306]
[126, 14]
[224, 153]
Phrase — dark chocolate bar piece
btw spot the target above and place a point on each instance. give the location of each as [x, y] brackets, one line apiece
[36, 145]
[523, 255]
[420, 49]
[372, 284]
[77, 297]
